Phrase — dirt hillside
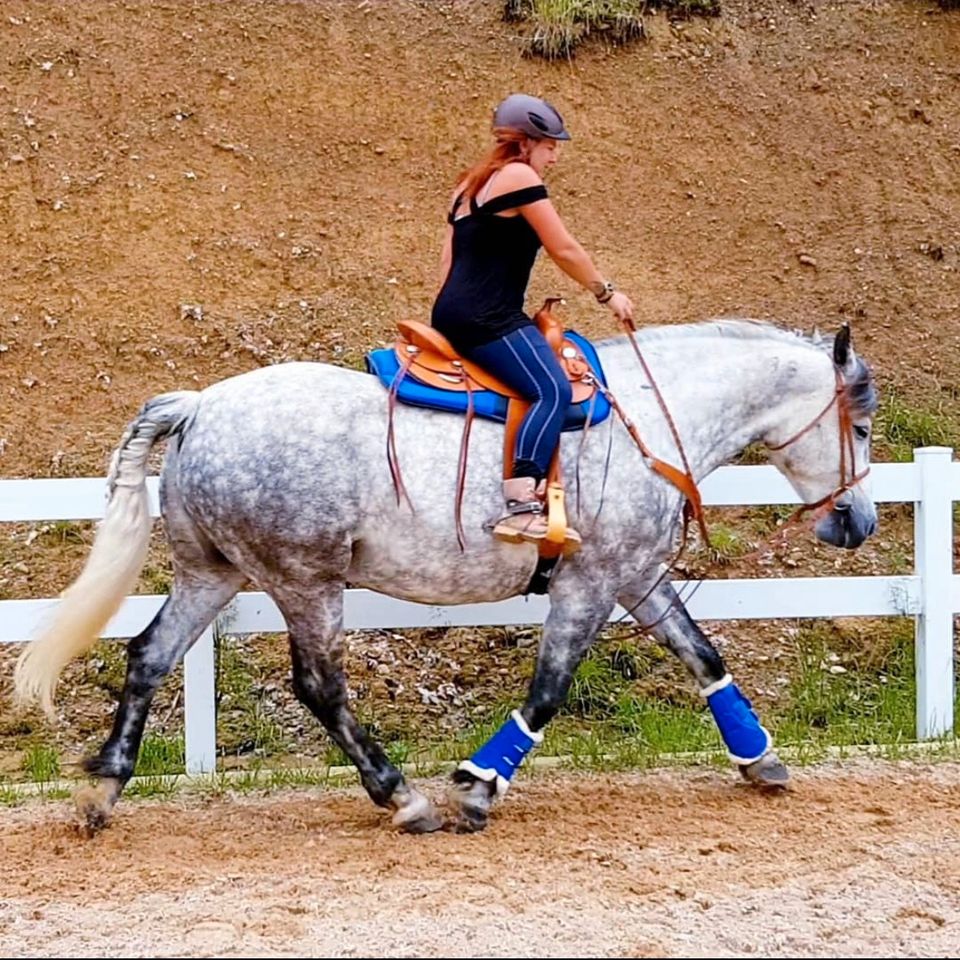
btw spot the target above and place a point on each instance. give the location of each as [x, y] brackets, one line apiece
[284, 167]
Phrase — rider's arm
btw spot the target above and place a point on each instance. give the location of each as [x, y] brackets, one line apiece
[563, 249]
[571, 258]
[560, 245]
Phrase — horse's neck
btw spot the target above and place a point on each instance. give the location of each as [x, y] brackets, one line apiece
[723, 393]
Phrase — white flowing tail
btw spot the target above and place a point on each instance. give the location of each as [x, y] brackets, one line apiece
[118, 552]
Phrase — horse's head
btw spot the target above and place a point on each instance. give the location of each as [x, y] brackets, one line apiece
[823, 446]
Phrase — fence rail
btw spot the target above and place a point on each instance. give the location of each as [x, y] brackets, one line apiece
[931, 594]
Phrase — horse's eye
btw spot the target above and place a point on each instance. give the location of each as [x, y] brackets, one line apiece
[861, 432]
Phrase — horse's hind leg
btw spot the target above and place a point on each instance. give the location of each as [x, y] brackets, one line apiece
[749, 744]
[314, 619]
[194, 601]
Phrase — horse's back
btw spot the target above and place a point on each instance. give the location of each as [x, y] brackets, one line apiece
[258, 449]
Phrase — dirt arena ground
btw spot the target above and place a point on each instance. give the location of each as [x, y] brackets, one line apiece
[857, 859]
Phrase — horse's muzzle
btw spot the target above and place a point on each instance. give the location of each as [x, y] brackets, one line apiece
[846, 526]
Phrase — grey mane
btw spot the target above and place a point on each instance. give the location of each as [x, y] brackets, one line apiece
[861, 389]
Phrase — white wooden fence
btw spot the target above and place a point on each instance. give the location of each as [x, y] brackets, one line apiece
[931, 594]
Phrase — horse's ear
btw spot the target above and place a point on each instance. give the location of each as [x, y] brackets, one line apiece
[841, 346]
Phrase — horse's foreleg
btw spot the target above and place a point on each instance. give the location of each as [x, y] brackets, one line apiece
[319, 681]
[192, 604]
[578, 610]
[749, 744]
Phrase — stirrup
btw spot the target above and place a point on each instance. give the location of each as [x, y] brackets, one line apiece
[535, 532]
[557, 521]
[529, 527]
[572, 542]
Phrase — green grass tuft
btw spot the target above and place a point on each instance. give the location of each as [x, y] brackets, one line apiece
[558, 27]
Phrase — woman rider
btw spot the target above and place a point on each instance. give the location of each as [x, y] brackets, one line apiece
[499, 217]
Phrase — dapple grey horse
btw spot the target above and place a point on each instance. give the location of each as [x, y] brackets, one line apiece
[280, 476]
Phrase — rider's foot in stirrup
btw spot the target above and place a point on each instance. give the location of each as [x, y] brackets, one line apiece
[521, 528]
[524, 520]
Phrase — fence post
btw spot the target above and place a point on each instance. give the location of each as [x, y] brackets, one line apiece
[200, 705]
[933, 543]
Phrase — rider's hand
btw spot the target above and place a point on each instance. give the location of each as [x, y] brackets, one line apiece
[621, 306]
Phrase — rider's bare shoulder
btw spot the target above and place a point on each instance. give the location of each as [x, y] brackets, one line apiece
[517, 176]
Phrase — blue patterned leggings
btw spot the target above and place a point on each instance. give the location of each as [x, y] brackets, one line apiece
[524, 361]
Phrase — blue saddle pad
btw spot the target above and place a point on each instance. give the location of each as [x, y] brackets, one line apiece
[486, 403]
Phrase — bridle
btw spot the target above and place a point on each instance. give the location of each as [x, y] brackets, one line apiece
[848, 478]
[683, 479]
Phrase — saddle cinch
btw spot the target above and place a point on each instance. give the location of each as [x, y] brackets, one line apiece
[424, 354]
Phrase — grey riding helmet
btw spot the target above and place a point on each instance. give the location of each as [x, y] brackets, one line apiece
[532, 116]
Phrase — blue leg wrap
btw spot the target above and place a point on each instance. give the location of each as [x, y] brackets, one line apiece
[739, 726]
[500, 756]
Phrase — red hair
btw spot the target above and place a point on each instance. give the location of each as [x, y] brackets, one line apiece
[510, 146]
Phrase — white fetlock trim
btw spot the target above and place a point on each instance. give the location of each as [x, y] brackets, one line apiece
[744, 762]
[537, 738]
[487, 775]
[709, 691]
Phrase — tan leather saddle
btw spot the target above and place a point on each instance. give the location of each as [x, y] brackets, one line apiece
[429, 356]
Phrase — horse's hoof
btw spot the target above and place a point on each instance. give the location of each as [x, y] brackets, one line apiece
[469, 820]
[769, 772]
[94, 806]
[415, 813]
[427, 822]
[472, 800]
